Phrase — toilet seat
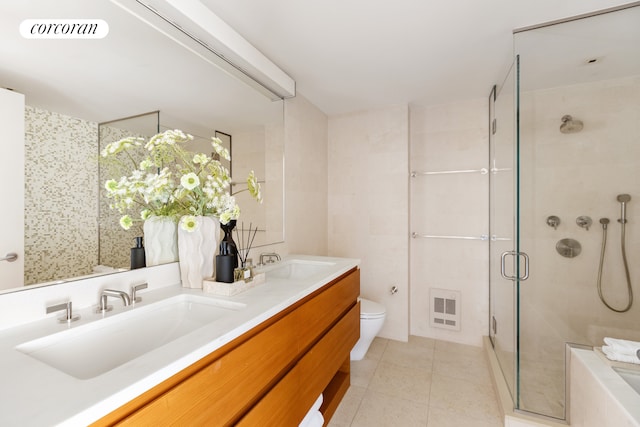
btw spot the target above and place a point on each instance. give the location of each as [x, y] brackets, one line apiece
[370, 309]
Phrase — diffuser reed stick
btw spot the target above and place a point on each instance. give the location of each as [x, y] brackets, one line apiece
[243, 249]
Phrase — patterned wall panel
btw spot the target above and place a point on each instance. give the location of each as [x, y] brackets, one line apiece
[61, 196]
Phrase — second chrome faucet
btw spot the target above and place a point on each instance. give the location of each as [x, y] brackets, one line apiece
[103, 307]
[126, 299]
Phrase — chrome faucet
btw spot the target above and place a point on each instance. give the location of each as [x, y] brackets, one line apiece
[270, 258]
[134, 291]
[103, 307]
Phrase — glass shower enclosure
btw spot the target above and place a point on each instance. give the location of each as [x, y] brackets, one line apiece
[564, 156]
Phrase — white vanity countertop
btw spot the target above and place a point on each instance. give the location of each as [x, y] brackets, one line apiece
[34, 394]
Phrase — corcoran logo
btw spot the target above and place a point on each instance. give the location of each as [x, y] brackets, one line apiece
[64, 28]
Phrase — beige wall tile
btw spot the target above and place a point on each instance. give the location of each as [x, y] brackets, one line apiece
[449, 137]
[368, 205]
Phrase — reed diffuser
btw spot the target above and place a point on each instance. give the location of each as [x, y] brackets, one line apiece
[244, 270]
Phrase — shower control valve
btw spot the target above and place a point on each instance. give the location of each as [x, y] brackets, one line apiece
[584, 222]
[553, 221]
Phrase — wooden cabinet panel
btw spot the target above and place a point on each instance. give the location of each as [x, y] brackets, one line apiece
[269, 376]
[287, 403]
[280, 407]
[318, 314]
[221, 392]
[324, 360]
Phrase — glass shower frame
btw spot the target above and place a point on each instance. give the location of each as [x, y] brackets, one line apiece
[516, 333]
[503, 293]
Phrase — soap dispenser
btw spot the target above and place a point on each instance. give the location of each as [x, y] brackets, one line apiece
[137, 255]
[225, 264]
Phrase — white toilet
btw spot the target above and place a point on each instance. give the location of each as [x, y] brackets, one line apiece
[371, 320]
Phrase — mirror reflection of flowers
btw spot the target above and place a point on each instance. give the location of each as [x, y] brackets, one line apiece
[170, 181]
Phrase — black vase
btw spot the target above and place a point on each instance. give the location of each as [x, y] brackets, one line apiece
[228, 237]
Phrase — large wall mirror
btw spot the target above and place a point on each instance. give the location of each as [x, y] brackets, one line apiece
[135, 81]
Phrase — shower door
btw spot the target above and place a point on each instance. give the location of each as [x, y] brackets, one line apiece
[503, 267]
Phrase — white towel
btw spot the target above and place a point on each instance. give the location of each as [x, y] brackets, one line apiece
[308, 420]
[620, 357]
[317, 421]
[625, 347]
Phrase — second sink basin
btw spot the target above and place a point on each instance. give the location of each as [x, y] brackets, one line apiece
[298, 269]
[88, 351]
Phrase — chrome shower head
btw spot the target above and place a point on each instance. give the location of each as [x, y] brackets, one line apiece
[624, 198]
[570, 125]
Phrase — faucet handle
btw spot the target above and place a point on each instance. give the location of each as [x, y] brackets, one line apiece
[584, 222]
[68, 317]
[135, 289]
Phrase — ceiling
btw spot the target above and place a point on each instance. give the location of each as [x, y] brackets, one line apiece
[361, 54]
[345, 56]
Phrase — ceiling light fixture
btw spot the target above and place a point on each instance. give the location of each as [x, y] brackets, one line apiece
[194, 26]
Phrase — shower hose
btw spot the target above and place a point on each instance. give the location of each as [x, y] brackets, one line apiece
[626, 269]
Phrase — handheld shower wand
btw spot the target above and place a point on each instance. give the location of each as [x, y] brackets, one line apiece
[623, 199]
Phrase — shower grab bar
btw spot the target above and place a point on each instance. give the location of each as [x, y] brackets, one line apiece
[428, 236]
[503, 267]
[482, 171]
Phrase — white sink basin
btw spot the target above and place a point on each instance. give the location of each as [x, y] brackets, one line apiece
[88, 351]
[632, 377]
[298, 269]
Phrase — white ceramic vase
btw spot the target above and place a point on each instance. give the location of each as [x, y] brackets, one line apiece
[160, 240]
[197, 251]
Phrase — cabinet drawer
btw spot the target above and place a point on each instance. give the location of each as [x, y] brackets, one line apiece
[219, 393]
[323, 361]
[287, 403]
[280, 407]
[317, 315]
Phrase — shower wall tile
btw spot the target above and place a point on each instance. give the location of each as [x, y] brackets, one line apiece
[368, 205]
[61, 196]
[443, 138]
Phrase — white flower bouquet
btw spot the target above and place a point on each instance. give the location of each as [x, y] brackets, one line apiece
[168, 180]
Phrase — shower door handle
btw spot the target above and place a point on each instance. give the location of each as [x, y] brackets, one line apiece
[526, 266]
[503, 268]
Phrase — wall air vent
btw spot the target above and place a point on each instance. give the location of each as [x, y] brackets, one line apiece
[444, 309]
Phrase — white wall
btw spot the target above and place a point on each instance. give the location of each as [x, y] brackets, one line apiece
[12, 127]
[368, 205]
[450, 137]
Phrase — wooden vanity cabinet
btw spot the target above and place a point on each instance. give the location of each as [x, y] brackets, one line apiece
[269, 376]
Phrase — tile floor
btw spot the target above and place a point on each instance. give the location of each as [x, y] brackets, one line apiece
[424, 382]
